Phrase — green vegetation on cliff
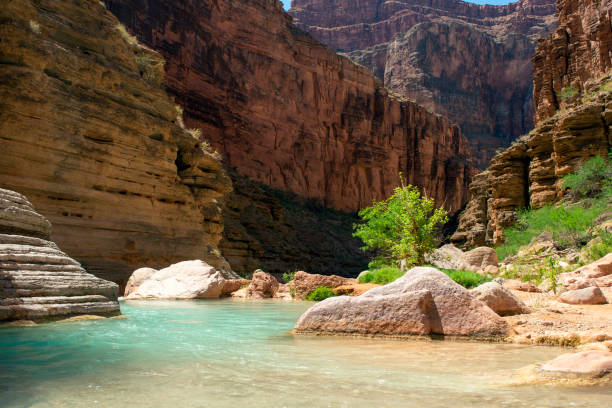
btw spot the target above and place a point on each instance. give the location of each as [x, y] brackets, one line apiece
[572, 222]
[320, 293]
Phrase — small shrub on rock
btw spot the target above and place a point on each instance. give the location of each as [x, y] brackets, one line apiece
[467, 279]
[320, 293]
[382, 276]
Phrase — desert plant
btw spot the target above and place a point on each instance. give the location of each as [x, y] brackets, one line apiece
[127, 37]
[151, 69]
[320, 293]
[598, 249]
[403, 226]
[567, 93]
[591, 179]
[382, 276]
[288, 276]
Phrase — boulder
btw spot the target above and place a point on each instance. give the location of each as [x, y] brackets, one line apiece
[303, 283]
[595, 362]
[446, 257]
[479, 259]
[184, 280]
[263, 285]
[587, 296]
[137, 278]
[232, 285]
[423, 301]
[499, 299]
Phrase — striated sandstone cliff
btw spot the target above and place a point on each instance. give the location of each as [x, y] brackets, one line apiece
[528, 174]
[580, 49]
[469, 62]
[286, 111]
[88, 133]
[37, 280]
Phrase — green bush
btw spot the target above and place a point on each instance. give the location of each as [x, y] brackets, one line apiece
[591, 179]
[467, 279]
[599, 249]
[382, 276]
[567, 93]
[568, 225]
[320, 293]
[403, 226]
[288, 276]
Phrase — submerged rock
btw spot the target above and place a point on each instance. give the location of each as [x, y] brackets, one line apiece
[184, 280]
[499, 299]
[423, 301]
[595, 362]
[39, 281]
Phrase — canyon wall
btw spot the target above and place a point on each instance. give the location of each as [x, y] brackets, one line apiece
[280, 232]
[530, 172]
[471, 63]
[286, 111]
[90, 136]
[579, 50]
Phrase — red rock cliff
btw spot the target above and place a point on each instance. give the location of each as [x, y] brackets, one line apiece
[468, 62]
[579, 50]
[288, 112]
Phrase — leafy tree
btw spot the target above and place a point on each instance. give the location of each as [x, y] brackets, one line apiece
[403, 226]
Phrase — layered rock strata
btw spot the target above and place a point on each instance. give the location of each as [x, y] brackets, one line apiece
[529, 173]
[469, 62]
[288, 112]
[90, 136]
[37, 280]
[580, 49]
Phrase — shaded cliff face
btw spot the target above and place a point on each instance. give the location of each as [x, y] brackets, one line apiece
[281, 232]
[286, 111]
[530, 172]
[580, 49]
[468, 62]
[89, 135]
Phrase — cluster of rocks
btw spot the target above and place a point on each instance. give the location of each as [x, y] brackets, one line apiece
[583, 286]
[424, 301]
[37, 280]
[481, 259]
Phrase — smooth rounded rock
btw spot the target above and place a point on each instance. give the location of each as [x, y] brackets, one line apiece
[587, 296]
[594, 362]
[137, 278]
[184, 280]
[263, 285]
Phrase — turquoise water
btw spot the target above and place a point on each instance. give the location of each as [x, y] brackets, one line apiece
[239, 354]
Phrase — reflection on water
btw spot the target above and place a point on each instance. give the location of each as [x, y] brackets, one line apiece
[238, 353]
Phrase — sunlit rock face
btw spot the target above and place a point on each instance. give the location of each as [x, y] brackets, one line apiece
[89, 135]
[471, 63]
[288, 112]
